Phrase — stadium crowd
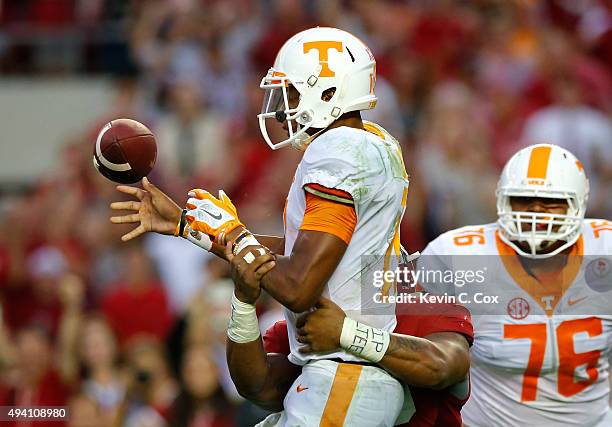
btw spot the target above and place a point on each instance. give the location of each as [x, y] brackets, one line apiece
[133, 334]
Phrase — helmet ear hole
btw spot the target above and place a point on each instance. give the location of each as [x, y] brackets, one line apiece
[332, 71]
[328, 94]
[280, 116]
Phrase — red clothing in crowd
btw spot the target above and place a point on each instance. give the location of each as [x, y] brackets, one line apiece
[50, 391]
[22, 308]
[143, 312]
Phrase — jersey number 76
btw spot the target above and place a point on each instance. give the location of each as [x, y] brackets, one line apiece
[569, 360]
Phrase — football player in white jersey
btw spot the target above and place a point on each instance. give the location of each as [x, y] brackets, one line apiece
[346, 202]
[540, 354]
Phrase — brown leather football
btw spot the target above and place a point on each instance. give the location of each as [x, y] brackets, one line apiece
[125, 151]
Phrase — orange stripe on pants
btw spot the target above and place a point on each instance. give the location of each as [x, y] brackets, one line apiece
[340, 395]
[538, 162]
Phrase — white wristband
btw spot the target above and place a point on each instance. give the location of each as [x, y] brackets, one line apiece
[363, 340]
[198, 238]
[243, 326]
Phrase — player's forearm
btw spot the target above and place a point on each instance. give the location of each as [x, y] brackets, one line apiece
[248, 366]
[421, 362]
[415, 361]
[258, 377]
[297, 280]
[274, 243]
[287, 284]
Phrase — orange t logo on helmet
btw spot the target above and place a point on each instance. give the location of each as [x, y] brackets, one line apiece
[323, 48]
[538, 165]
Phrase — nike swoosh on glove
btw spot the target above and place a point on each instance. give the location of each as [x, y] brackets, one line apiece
[211, 215]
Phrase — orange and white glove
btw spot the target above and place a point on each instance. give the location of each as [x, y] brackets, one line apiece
[211, 215]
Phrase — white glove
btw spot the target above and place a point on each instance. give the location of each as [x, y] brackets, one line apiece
[211, 215]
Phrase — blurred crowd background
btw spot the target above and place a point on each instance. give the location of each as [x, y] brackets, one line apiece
[133, 334]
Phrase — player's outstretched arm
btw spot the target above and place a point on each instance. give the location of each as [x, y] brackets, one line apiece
[435, 361]
[217, 218]
[155, 211]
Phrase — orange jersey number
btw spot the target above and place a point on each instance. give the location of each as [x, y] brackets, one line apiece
[599, 226]
[569, 360]
[470, 237]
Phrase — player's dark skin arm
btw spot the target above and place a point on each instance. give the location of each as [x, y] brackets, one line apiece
[262, 378]
[274, 243]
[437, 361]
[157, 212]
[298, 279]
[296, 282]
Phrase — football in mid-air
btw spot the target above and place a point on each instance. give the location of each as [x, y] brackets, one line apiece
[125, 151]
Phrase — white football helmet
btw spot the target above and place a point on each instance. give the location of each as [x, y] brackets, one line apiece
[542, 170]
[313, 61]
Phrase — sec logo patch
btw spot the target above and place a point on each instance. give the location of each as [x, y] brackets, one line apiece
[518, 308]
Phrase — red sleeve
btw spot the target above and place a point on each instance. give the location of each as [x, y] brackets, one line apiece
[433, 318]
[435, 407]
[276, 339]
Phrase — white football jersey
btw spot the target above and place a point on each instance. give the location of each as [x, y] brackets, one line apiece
[540, 354]
[369, 166]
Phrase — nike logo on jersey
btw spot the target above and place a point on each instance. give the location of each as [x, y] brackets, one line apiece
[575, 301]
[300, 389]
[217, 217]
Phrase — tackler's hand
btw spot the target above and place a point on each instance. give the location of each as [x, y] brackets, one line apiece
[320, 330]
[247, 268]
